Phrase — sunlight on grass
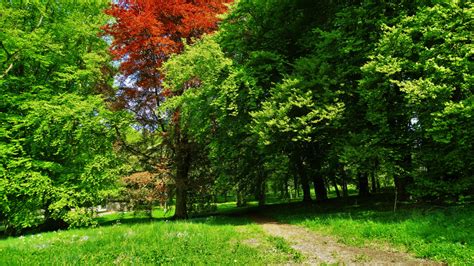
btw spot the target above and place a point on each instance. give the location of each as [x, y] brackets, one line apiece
[213, 240]
[441, 234]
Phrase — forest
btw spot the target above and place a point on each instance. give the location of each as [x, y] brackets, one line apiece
[196, 128]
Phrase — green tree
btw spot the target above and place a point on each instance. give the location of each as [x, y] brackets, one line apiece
[419, 90]
[56, 139]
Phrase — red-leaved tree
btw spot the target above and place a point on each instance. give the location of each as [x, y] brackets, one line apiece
[145, 33]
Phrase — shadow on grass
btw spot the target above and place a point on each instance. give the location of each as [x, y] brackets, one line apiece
[379, 207]
[352, 205]
[441, 230]
[237, 216]
[130, 220]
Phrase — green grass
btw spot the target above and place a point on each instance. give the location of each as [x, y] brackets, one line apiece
[213, 240]
[283, 246]
[132, 217]
[439, 233]
[443, 233]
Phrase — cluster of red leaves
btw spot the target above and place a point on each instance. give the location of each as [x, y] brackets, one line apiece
[146, 32]
[143, 189]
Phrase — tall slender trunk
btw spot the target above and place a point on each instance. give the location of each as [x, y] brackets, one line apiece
[260, 190]
[363, 182]
[373, 176]
[334, 182]
[403, 181]
[285, 190]
[296, 187]
[345, 193]
[303, 178]
[374, 183]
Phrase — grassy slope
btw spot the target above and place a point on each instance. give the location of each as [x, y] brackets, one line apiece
[213, 240]
[439, 233]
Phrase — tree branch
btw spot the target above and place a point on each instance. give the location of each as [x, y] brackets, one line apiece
[6, 71]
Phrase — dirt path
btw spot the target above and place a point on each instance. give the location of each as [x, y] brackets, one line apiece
[319, 249]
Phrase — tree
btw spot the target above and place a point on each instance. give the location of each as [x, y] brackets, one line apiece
[211, 105]
[56, 143]
[422, 69]
[145, 33]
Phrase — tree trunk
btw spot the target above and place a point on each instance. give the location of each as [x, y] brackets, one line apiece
[320, 188]
[374, 176]
[183, 164]
[403, 182]
[260, 190]
[286, 193]
[334, 182]
[304, 179]
[374, 183]
[345, 193]
[363, 182]
[296, 187]
[181, 211]
[241, 202]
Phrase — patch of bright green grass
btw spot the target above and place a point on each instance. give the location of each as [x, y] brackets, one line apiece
[130, 217]
[283, 246]
[213, 240]
[443, 234]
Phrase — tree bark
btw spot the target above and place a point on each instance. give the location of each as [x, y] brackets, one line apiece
[334, 182]
[320, 188]
[374, 183]
[181, 211]
[260, 190]
[345, 193]
[295, 186]
[241, 202]
[304, 179]
[374, 176]
[363, 182]
[183, 164]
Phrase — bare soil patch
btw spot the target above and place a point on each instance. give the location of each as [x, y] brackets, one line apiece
[319, 249]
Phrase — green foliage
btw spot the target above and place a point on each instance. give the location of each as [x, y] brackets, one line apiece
[214, 108]
[64, 160]
[422, 71]
[361, 89]
[295, 113]
[56, 137]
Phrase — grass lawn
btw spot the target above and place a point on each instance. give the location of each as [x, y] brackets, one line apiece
[438, 233]
[213, 240]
